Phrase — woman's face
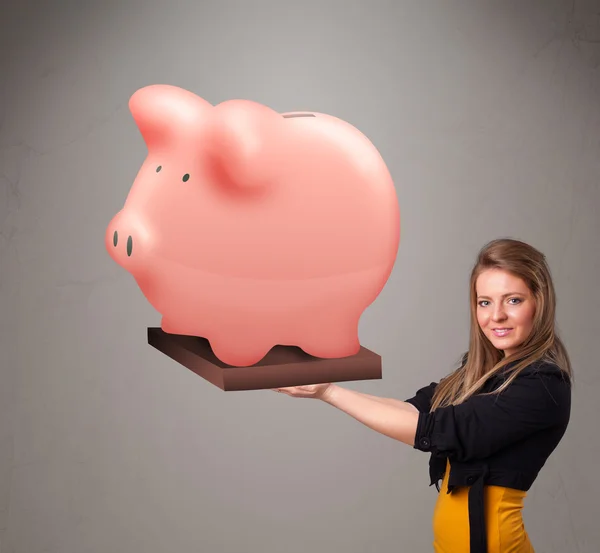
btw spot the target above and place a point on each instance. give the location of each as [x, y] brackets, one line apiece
[505, 309]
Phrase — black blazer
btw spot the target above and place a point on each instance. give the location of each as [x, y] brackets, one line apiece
[501, 440]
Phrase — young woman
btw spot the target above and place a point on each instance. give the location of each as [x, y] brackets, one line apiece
[489, 426]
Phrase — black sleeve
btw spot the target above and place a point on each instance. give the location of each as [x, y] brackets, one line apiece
[485, 424]
[422, 399]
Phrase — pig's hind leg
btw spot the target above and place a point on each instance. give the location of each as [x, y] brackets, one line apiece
[331, 336]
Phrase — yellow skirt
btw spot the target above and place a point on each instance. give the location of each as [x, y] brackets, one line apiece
[503, 515]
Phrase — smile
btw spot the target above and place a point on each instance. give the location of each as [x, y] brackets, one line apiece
[501, 331]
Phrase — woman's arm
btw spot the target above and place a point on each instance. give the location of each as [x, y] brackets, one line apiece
[393, 401]
[393, 418]
[538, 398]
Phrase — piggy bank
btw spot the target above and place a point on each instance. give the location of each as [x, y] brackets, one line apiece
[252, 228]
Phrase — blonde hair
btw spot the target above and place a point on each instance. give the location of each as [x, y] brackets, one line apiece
[483, 360]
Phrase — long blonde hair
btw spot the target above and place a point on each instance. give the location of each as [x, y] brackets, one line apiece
[483, 360]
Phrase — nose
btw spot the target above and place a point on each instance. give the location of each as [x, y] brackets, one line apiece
[125, 242]
[498, 313]
[129, 242]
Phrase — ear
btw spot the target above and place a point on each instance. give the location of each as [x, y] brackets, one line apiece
[163, 112]
[245, 143]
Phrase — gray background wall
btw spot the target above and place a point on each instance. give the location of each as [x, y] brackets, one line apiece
[488, 114]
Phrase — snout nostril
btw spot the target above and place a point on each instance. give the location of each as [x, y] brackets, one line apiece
[129, 245]
[115, 239]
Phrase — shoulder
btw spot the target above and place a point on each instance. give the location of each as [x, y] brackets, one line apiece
[545, 370]
[546, 381]
[537, 368]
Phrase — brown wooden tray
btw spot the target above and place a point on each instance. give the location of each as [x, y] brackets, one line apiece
[282, 366]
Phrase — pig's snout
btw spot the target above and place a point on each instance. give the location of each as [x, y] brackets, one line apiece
[127, 242]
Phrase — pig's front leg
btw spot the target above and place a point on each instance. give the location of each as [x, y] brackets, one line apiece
[239, 353]
[166, 326]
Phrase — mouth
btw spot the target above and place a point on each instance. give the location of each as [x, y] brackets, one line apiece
[501, 332]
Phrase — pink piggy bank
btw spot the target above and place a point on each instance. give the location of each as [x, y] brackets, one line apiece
[252, 228]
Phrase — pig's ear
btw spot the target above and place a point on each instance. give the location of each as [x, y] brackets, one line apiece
[243, 144]
[163, 112]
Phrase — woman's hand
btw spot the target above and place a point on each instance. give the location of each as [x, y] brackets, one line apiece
[314, 391]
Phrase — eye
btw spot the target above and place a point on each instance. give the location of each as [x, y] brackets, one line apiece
[186, 177]
[482, 302]
[158, 168]
[515, 299]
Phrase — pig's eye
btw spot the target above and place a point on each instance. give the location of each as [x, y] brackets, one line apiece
[158, 168]
[186, 177]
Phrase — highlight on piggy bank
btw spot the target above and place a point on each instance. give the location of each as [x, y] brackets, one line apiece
[253, 228]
